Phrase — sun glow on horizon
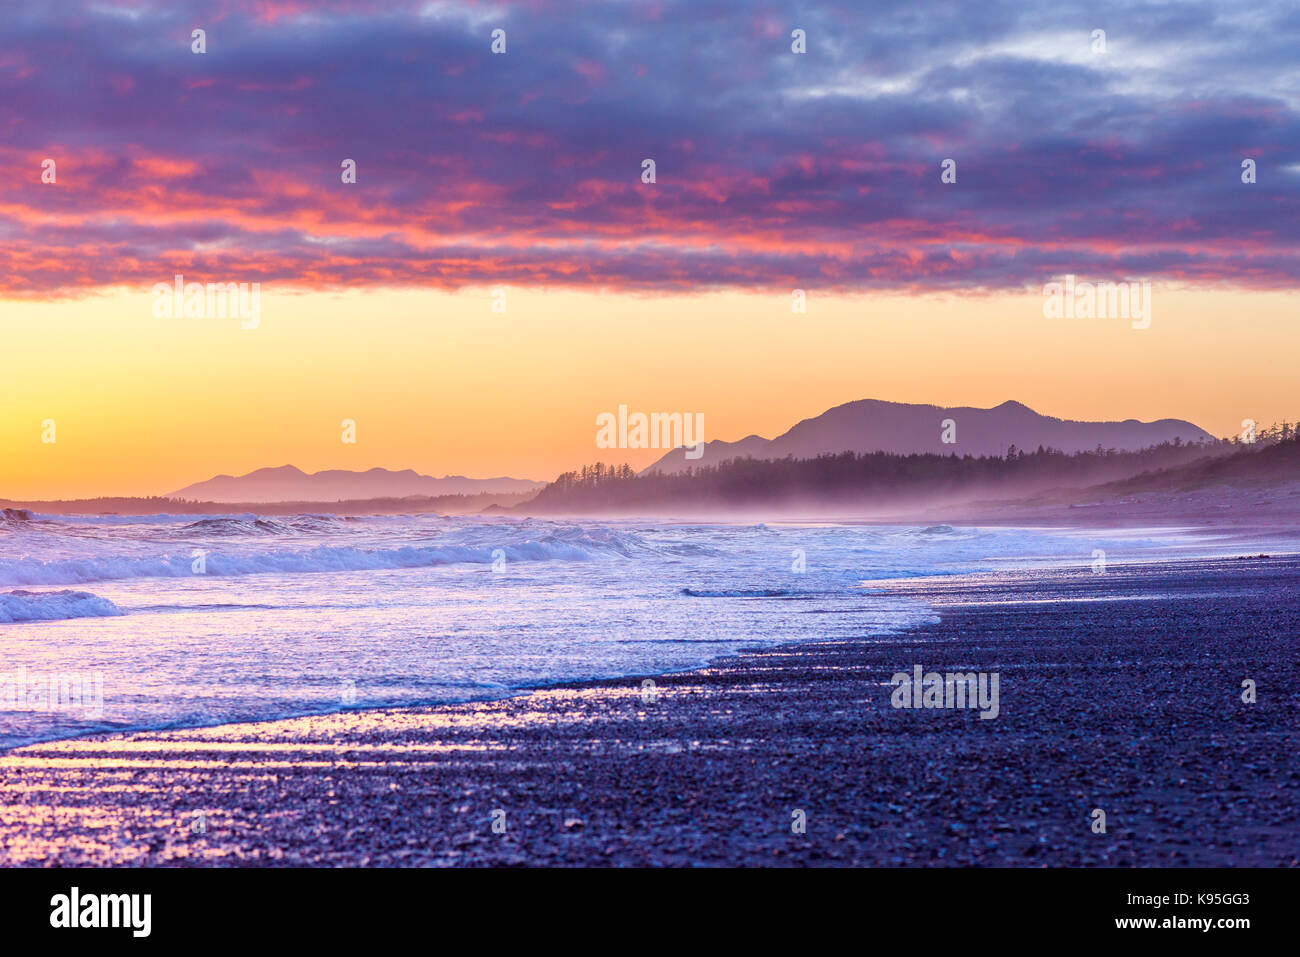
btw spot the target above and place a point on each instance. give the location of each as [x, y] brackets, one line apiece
[439, 383]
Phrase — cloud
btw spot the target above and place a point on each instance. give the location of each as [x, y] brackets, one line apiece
[776, 170]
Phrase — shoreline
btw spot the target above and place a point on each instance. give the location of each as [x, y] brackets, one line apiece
[886, 586]
[713, 768]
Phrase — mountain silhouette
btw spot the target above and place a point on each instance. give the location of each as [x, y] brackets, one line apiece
[872, 425]
[290, 484]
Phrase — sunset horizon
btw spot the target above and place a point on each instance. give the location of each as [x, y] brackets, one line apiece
[497, 413]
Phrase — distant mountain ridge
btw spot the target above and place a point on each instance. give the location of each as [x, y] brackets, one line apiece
[873, 425]
[291, 484]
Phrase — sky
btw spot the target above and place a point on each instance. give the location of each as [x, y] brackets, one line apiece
[500, 273]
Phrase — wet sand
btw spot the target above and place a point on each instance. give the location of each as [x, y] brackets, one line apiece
[1119, 691]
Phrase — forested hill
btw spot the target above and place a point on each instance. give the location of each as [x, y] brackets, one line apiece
[886, 480]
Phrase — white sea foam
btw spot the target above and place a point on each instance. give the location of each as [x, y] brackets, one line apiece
[309, 613]
[53, 606]
[221, 559]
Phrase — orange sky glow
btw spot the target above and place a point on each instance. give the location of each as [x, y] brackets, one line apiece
[439, 383]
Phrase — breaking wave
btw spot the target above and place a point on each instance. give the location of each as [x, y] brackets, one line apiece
[323, 558]
[14, 516]
[53, 606]
[233, 526]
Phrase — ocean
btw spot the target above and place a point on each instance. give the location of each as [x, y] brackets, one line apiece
[125, 623]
